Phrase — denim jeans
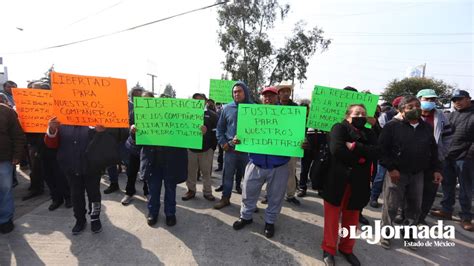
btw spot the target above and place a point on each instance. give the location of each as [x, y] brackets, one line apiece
[378, 182]
[464, 171]
[234, 162]
[155, 181]
[6, 193]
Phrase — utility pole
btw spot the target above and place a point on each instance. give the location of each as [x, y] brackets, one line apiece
[152, 82]
[424, 70]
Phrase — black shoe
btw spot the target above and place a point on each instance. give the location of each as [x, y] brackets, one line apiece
[32, 194]
[151, 219]
[218, 169]
[54, 205]
[7, 227]
[238, 189]
[363, 220]
[96, 226]
[68, 203]
[79, 227]
[219, 189]
[112, 188]
[293, 200]
[328, 259]
[351, 258]
[241, 223]
[171, 220]
[269, 230]
[301, 193]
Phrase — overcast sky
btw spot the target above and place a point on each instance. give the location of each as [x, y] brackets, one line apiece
[373, 41]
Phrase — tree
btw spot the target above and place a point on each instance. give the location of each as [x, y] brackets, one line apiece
[250, 55]
[412, 86]
[169, 91]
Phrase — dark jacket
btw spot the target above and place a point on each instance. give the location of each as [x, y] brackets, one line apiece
[12, 139]
[407, 149]
[72, 142]
[209, 140]
[174, 161]
[462, 145]
[348, 167]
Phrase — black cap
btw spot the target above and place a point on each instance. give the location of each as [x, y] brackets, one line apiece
[460, 94]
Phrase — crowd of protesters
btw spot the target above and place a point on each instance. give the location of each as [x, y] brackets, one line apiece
[410, 150]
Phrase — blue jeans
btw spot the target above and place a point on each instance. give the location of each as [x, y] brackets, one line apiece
[155, 181]
[378, 182]
[6, 193]
[233, 162]
[464, 171]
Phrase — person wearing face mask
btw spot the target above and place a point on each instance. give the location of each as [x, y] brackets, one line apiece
[346, 189]
[459, 163]
[442, 132]
[409, 149]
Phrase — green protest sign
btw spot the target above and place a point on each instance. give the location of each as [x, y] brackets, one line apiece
[271, 129]
[221, 90]
[169, 122]
[328, 106]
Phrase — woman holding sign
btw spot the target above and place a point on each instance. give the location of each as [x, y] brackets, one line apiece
[347, 187]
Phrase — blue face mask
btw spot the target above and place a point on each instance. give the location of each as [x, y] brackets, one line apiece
[428, 106]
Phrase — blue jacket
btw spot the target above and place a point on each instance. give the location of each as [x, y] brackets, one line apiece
[268, 161]
[227, 124]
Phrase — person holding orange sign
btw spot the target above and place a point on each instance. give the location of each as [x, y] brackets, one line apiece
[72, 144]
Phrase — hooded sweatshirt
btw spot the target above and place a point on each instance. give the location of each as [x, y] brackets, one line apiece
[227, 124]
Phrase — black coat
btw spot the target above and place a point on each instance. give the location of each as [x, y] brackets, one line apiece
[407, 149]
[350, 167]
[462, 145]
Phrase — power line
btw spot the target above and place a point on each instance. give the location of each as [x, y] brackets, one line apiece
[124, 30]
[94, 14]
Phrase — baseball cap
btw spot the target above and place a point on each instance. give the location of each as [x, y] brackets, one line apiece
[269, 89]
[460, 94]
[427, 93]
[397, 101]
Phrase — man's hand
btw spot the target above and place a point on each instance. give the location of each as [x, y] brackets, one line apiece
[133, 129]
[99, 128]
[203, 130]
[53, 125]
[349, 145]
[394, 176]
[15, 161]
[437, 178]
[226, 147]
[236, 140]
[305, 145]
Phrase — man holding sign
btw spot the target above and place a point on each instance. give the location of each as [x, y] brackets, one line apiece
[264, 168]
[226, 131]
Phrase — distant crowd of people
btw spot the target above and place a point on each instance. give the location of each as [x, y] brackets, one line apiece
[410, 148]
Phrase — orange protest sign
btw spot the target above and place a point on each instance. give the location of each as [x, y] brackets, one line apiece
[90, 101]
[34, 108]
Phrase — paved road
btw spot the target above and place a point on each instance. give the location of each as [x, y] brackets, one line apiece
[202, 236]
